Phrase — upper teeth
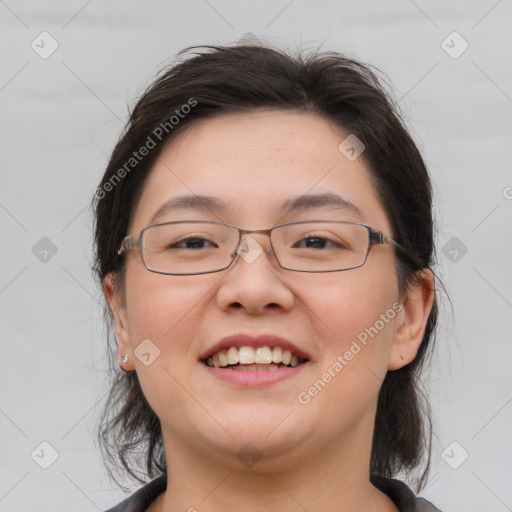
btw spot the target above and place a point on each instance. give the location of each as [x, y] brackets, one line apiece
[251, 355]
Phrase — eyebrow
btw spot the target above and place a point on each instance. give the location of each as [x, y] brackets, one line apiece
[296, 204]
[327, 200]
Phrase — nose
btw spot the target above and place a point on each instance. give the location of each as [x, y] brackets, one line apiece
[254, 281]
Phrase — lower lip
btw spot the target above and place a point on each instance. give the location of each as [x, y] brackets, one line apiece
[254, 377]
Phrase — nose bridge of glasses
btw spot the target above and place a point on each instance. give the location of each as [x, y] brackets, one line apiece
[248, 247]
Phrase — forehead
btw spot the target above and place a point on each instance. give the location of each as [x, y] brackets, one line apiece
[258, 165]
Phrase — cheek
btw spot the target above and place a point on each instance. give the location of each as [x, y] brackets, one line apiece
[356, 320]
[361, 320]
[354, 300]
[167, 311]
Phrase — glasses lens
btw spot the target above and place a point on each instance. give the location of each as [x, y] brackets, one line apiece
[195, 247]
[188, 247]
[321, 246]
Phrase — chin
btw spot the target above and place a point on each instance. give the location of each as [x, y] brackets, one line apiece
[259, 440]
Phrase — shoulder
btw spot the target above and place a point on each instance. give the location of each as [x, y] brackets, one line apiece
[402, 495]
[142, 499]
[425, 506]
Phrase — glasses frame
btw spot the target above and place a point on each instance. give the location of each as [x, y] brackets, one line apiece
[374, 237]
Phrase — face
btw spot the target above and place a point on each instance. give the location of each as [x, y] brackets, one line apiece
[253, 163]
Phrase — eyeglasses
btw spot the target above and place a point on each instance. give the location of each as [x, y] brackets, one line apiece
[201, 247]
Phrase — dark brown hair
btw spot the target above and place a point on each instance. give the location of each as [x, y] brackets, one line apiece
[245, 78]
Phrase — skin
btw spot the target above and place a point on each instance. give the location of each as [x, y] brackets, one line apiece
[315, 456]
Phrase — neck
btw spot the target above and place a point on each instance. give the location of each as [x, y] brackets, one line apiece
[329, 478]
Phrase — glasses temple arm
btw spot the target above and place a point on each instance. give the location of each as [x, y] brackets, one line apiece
[129, 242]
[381, 238]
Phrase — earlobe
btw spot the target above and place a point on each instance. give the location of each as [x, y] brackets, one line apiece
[411, 322]
[121, 331]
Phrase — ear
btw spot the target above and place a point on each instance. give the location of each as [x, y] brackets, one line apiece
[411, 321]
[122, 334]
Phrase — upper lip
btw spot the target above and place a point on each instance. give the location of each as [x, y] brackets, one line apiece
[262, 340]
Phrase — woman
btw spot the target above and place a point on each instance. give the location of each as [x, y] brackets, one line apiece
[264, 239]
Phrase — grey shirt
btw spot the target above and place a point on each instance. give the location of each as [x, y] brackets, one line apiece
[400, 494]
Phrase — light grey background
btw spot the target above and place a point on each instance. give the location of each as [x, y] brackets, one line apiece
[60, 118]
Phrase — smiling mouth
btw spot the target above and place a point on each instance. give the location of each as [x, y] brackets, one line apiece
[248, 358]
